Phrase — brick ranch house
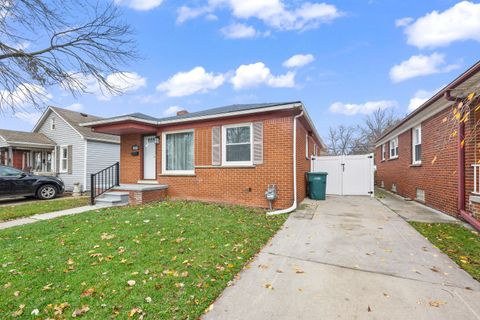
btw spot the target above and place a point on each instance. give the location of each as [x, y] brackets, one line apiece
[227, 155]
[432, 156]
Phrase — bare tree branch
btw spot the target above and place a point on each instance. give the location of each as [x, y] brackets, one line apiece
[73, 42]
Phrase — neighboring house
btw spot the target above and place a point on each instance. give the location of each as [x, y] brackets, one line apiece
[58, 145]
[229, 154]
[433, 156]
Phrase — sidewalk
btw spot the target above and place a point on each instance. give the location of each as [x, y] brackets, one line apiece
[48, 216]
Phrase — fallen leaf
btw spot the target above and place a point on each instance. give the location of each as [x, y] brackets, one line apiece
[369, 309]
[148, 300]
[35, 312]
[106, 236]
[59, 308]
[131, 283]
[436, 303]
[80, 312]
[16, 293]
[87, 292]
[47, 287]
[19, 312]
[268, 286]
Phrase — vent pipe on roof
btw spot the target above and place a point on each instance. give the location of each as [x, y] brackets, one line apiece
[182, 112]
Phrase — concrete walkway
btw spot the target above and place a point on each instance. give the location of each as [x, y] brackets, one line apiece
[349, 258]
[48, 216]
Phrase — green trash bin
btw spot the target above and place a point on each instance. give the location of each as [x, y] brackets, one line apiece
[317, 185]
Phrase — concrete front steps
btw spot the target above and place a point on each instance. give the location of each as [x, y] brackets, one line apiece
[113, 198]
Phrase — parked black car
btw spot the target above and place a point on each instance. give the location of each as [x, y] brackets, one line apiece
[14, 182]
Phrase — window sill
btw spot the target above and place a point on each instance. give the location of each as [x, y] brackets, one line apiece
[416, 164]
[226, 167]
[393, 158]
[173, 174]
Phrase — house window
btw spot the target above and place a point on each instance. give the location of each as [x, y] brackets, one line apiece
[52, 123]
[417, 145]
[306, 146]
[237, 144]
[383, 152]
[178, 152]
[64, 159]
[394, 148]
[315, 149]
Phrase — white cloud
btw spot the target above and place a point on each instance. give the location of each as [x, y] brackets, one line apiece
[271, 12]
[298, 60]
[126, 81]
[196, 80]
[239, 31]
[75, 107]
[437, 29]
[420, 97]
[123, 82]
[30, 117]
[140, 5]
[420, 65]
[351, 109]
[23, 95]
[172, 111]
[256, 74]
[403, 22]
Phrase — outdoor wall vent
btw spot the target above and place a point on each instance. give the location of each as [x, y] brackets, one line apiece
[394, 187]
[420, 195]
[382, 184]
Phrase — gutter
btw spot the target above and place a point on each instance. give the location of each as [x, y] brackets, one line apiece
[472, 70]
[461, 171]
[294, 204]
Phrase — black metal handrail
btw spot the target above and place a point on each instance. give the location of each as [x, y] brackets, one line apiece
[103, 181]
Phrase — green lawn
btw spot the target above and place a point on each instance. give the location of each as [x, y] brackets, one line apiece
[40, 206]
[459, 243]
[167, 261]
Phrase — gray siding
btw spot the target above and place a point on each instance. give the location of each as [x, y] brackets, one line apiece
[99, 156]
[63, 134]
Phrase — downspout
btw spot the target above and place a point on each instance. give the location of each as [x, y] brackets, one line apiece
[294, 204]
[461, 171]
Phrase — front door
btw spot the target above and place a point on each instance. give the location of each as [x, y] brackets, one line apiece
[149, 157]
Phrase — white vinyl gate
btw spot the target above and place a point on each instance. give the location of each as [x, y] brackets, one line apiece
[347, 175]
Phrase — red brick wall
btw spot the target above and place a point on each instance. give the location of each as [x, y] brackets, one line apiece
[438, 178]
[244, 186]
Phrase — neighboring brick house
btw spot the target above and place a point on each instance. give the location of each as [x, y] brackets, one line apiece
[431, 157]
[227, 155]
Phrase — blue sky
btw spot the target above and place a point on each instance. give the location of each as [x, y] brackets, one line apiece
[351, 57]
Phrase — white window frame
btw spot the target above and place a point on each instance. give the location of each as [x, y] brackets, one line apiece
[52, 124]
[164, 154]
[419, 128]
[62, 169]
[224, 145]
[383, 151]
[395, 149]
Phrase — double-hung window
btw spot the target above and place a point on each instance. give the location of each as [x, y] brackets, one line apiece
[178, 153]
[417, 145]
[383, 152]
[237, 145]
[394, 148]
[63, 159]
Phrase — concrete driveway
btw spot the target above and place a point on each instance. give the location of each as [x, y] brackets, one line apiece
[349, 258]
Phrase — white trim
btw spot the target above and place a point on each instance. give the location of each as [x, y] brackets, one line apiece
[419, 127]
[164, 155]
[220, 115]
[383, 152]
[414, 122]
[224, 145]
[85, 161]
[44, 115]
[30, 143]
[61, 169]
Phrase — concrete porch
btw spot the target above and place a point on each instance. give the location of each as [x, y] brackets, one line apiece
[139, 194]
